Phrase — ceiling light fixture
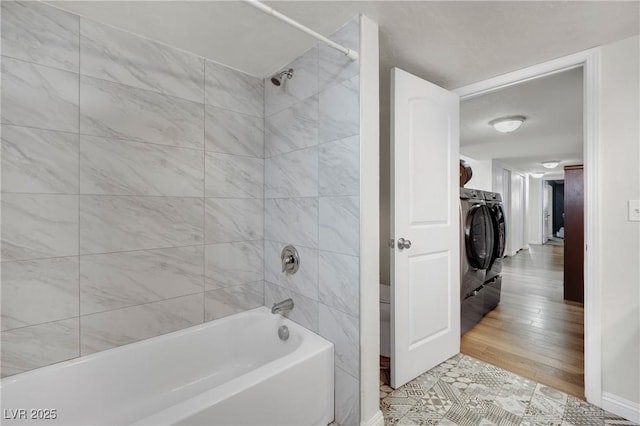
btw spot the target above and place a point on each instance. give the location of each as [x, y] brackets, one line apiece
[537, 175]
[551, 164]
[508, 124]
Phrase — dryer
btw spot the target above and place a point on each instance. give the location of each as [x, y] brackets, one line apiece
[476, 245]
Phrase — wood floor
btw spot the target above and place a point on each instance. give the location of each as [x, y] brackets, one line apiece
[533, 332]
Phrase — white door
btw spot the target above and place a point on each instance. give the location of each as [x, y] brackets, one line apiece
[425, 295]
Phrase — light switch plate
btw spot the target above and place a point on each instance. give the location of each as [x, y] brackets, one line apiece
[634, 210]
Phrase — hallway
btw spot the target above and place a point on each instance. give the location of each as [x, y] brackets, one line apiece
[533, 332]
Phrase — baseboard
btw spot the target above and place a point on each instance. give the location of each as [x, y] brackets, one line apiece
[376, 420]
[621, 407]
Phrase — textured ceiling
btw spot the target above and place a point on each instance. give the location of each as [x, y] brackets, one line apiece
[449, 43]
[553, 130]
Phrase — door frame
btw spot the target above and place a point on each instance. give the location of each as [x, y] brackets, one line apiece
[590, 61]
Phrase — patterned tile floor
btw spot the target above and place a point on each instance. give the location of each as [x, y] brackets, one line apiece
[464, 391]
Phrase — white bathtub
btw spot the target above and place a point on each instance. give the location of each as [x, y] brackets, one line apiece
[233, 371]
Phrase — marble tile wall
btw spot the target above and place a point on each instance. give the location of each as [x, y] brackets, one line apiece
[312, 157]
[146, 190]
[132, 188]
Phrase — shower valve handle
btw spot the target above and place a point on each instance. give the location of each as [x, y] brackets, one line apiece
[286, 261]
[290, 260]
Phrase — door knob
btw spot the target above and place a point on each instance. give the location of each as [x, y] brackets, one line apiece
[404, 244]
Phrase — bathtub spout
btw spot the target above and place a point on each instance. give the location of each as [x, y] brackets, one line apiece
[282, 307]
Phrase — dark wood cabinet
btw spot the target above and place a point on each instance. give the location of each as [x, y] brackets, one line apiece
[574, 233]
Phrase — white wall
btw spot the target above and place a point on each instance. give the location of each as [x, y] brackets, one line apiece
[535, 211]
[482, 175]
[620, 239]
[369, 221]
[512, 185]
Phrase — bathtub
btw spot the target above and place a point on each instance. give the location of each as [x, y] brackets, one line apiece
[232, 371]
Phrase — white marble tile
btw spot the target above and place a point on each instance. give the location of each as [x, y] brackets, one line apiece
[304, 282]
[293, 128]
[292, 220]
[117, 167]
[39, 291]
[228, 220]
[230, 132]
[336, 66]
[32, 347]
[347, 399]
[234, 176]
[339, 167]
[124, 112]
[110, 329]
[294, 174]
[38, 96]
[340, 225]
[39, 161]
[305, 310]
[231, 300]
[339, 282]
[118, 280]
[117, 223]
[231, 264]
[343, 330]
[125, 58]
[234, 90]
[339, 115]
[35, 32]
[36, 226]
[302, 85]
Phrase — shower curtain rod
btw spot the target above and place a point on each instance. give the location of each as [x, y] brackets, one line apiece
[351, 54]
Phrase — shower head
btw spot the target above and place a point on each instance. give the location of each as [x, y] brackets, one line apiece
[277, 79]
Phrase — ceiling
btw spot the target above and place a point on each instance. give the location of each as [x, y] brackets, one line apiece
[451, 43]
[553, 129]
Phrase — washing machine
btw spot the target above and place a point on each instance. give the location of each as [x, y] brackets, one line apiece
[476, 246]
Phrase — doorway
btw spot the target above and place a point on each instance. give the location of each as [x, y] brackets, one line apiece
[587, 60]
[553, 212]
[534, 331]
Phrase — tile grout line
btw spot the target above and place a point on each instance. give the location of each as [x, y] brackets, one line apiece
[125, 85]
[113, 138]
[317, 124]
[79, 177]
[204, 188]
[151, 302]
[119, 252]
[264, 190]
